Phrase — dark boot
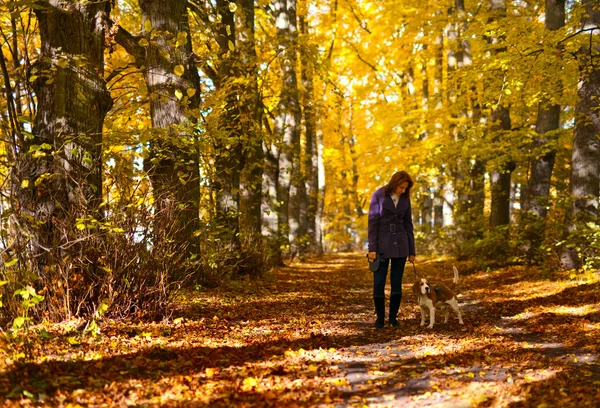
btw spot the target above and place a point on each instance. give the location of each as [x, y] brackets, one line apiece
[380, 311]
[394, 307]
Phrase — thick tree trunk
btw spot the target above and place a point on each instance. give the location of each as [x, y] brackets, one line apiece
[58, 177]
[173, 84]
[585, 159]
[252, 172]
[287, 122]
[538, 188]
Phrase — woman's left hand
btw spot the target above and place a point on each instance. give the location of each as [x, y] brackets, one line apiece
[411, 258]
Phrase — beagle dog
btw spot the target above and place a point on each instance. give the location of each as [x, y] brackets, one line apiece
[429, 296]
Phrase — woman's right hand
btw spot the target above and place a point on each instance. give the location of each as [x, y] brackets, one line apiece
[372, 256]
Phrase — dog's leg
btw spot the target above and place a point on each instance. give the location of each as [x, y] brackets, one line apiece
[446, 312]
[422, 315]
[431, 317]
[431, 314]
[454, 303]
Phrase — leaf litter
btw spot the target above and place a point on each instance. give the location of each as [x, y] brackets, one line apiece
[303, 337]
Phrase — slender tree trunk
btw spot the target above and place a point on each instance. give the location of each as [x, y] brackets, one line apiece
[585, 159]
[287, 122]
[500, 122]
[310, 148]
[321, 196]
[227, 134]
[270, 204]
[251, 112]
[174, 88]
[426, 209]
[470, 177]
[538, 188]
[500, 176]
[438, 209]
[58, 178]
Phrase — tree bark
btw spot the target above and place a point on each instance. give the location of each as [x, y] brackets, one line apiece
[310, 149]
[227, 131]
[58, 176]
[538, 188]
[438, 209]
[585, 160]
[174, 88]
[501, 174]
[500, 122]
[426, 209]
[287, 122]
[251, 112]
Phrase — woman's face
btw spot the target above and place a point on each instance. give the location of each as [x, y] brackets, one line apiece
[401, 188]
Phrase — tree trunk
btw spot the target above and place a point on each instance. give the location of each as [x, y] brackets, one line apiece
[438, 209]
[538, 188]
[252, 172]
[310, 149]
[227, 131]
[321, 195]
[500, 175]
[500, 122]
[58, 177]
[287, 122]
[174, 88]
[426, 210]
[469, 177]
[585, 159]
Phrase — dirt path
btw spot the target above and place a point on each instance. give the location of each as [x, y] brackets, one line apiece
[303, 337]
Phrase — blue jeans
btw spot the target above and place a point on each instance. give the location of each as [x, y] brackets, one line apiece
[396, 273]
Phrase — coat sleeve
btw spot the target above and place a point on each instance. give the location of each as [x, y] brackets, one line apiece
[408, 226]
[374, 216]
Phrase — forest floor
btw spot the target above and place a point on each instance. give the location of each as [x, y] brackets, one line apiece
[303, 336]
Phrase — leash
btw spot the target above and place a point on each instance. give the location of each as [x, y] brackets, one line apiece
[415, 269]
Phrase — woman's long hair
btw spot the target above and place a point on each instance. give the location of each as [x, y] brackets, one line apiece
[398, 178]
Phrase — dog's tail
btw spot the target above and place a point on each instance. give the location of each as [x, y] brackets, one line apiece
[455, 279]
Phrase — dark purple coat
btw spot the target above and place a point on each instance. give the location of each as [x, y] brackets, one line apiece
[384, 219]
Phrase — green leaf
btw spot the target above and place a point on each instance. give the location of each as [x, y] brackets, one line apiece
[10, 262]
[18, 322]
[182, 38]
[165, 54]
[73, 341]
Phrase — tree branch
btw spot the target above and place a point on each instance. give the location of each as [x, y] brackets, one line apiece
[373, 67]
[360, 23]
[130, 43]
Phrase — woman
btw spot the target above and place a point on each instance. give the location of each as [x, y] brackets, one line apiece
[391, 238]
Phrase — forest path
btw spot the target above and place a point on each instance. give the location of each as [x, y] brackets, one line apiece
[303, 337]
